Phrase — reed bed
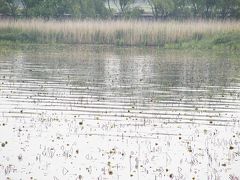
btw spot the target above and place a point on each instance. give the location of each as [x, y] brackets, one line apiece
[120, 32]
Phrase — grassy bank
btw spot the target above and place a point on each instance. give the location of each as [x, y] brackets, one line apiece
[228, 41]
[130, 33]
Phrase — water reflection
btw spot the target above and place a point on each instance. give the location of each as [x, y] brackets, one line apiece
[119, 113]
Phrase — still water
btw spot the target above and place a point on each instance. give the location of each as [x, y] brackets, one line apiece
[101, 113]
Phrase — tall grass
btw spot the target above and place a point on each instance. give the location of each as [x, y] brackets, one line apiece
[119, 32]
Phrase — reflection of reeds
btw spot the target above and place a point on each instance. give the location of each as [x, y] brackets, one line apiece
[113, 32]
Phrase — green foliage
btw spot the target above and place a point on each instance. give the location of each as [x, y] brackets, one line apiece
[177, 9]
[123, 5]
[134, 13]
[15, 35]
[3, 7]
[181, 9]
[231, 40]
[119, 38]
[92, 8]
[12, 6]
[8, 7]
[229, 8]
[208, 8]
[222, 41]
[161, 8]
[63, 8]
[30, 6]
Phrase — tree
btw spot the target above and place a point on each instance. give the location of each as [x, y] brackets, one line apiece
[123, 5]
[109, 7]
[182, 9]
[101, 8]
[92, 8]
[161, 8]
[229, 8]
[12, 7]
[209, 8]
[197, 7]
[30, 6]
[3, 7]
[8, 7]
[134, 13]
[59, 8]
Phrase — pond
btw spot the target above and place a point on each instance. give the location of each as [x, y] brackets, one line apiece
[96, 112]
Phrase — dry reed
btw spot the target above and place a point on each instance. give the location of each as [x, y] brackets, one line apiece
[118, 32]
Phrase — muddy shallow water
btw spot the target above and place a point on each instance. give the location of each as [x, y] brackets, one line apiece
[99, 113]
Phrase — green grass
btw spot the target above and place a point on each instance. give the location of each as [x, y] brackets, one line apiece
[228, 41]
[223, 41]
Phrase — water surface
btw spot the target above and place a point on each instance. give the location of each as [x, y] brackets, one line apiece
[119, 113]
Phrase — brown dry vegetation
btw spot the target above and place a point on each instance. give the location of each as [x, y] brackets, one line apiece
[151, 33]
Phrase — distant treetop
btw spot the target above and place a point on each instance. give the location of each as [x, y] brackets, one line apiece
[101, 9]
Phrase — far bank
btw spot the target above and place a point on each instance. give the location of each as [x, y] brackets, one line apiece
[193, 34]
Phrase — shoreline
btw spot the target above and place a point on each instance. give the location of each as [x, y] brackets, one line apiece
[162, 34]
[229, 41]
[195, 34]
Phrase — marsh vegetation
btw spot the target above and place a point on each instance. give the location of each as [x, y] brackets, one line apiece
[121, 32]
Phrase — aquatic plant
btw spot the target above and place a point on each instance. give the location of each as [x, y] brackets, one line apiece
[121, 32]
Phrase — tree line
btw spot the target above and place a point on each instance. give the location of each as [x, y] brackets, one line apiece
[175, 9]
